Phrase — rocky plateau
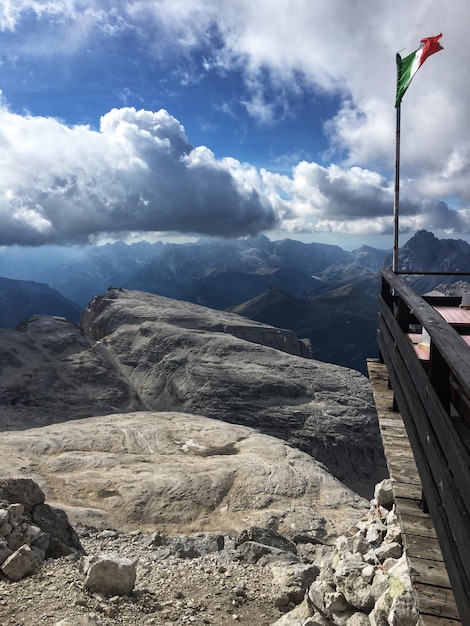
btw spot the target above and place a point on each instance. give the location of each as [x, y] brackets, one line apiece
[154, 417]
[134, 351]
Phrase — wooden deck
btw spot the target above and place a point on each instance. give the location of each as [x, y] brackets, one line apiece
[433, 593]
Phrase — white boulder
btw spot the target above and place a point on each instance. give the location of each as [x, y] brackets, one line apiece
[108, 574]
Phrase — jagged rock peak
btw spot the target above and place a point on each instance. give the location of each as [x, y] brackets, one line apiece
[425, 252]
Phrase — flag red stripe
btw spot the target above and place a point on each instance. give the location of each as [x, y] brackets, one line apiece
[430, 46]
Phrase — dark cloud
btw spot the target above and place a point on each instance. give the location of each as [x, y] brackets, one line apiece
[139, 173]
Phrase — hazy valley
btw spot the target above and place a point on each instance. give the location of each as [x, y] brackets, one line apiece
[321, 292]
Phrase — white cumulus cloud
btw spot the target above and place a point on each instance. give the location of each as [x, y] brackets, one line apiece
[137, 173]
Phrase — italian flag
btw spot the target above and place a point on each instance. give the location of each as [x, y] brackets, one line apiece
[408, 66]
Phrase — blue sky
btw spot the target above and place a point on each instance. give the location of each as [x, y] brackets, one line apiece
[171, 119]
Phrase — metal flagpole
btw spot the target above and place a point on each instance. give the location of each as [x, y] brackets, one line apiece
[396, 204]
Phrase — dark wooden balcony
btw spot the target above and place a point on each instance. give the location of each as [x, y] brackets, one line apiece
[424, 413]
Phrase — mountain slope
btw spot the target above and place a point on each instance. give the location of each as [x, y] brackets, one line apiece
[197, 272]
[21, 299]
[220, 274]
[340, 324]
[425, 252]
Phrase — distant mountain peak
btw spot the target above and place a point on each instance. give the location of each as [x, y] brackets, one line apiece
[425, 252]
[424, 234]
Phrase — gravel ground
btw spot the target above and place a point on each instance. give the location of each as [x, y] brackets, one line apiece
[214, 589]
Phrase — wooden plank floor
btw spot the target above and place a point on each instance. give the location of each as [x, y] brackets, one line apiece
[434, 597]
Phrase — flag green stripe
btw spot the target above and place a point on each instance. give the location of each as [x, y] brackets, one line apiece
[407, 68]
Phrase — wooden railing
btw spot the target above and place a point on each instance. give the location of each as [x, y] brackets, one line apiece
[433, 397]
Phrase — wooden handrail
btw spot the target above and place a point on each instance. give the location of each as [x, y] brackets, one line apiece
[427, 400]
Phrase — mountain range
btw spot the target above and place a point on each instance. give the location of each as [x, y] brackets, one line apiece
[86, 408]
[322, 292]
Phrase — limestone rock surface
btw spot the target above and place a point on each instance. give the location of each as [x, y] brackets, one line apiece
[30, 530]
[136, 352]
[178, 473]
[201, 579]
[51, 372]
[108, 574]
[182, 357]
[19, 564]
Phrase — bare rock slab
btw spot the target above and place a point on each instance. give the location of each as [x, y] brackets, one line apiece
[179, 474]
[135, 351]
